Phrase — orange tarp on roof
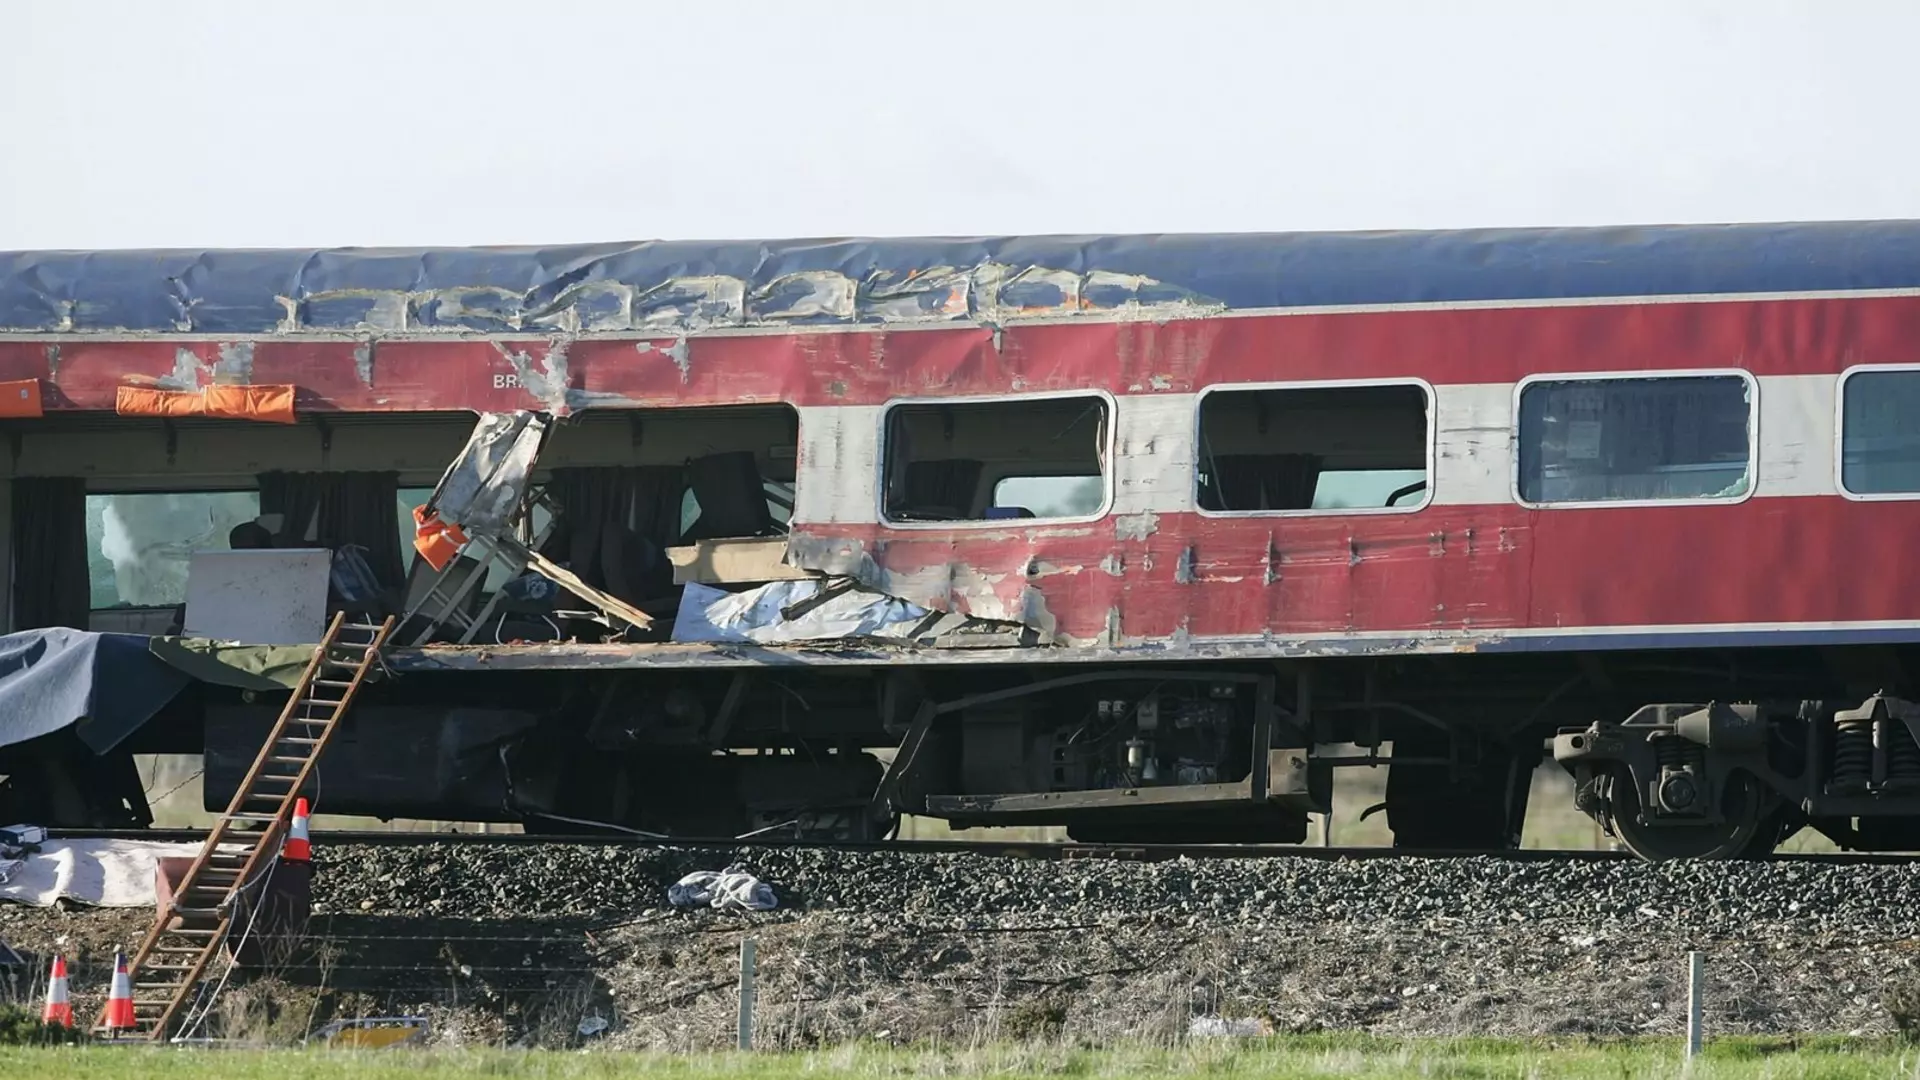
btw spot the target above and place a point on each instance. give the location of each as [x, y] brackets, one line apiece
[272, 404]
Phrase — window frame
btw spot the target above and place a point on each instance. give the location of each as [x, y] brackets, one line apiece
[1109, 464]
[1431, 444]
[1753, 436]
[1840, 435]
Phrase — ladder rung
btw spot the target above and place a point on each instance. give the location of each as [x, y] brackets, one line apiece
[296, 740]
[341, 683]
[282, 759]
[251, 817]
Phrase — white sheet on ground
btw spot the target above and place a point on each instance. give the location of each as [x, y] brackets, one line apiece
[729, 888]
[100, 873]
[710, 614]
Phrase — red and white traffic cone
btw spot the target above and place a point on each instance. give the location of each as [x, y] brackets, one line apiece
[120, 998]
[59, 1010]
[297, 847]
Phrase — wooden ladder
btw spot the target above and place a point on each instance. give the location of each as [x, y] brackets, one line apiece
[206, 904]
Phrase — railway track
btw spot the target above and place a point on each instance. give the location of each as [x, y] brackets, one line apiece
[1040, 850]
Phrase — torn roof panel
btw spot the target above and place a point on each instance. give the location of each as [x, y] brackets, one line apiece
[690, 285]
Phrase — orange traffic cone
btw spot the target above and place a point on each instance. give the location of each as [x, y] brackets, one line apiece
[298, 848]
[120, 998]
[59, 1010]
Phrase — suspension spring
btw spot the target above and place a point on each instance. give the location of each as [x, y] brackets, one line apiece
[1903, 754]
[1674, 752]
[1852, 755]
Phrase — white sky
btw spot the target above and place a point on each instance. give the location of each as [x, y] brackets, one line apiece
[330, 122]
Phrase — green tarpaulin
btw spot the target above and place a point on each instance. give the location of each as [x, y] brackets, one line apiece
[246, 667]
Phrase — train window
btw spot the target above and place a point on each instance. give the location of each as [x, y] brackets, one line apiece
[1879, 445]
[1635, 439]
[1304, 449]
[1049, 496]
[139, 545]
[991, 460]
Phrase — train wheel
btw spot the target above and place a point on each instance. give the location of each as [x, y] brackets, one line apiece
[1746, 831]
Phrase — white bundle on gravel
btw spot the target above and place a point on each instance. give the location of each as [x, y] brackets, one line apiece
[726, 889]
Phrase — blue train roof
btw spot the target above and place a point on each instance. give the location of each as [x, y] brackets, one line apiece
[681, 285]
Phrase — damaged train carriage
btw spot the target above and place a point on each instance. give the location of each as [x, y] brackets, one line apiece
[1138, 535]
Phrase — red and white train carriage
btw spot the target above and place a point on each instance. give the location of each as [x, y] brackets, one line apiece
[1202, 507]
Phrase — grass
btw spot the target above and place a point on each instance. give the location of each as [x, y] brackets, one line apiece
[1344, 1056]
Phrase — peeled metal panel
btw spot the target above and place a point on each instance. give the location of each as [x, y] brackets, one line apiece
[483, 487]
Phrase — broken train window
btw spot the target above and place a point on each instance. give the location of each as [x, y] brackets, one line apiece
[1635, 438]
[139, 544]
[1879, 445]
[1332, 449]
[1005, 459]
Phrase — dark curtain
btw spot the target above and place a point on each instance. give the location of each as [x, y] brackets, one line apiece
[615, 523]
[296, 497]
[731, 494]
[50, 584]
[1262, 481]
[944, 488]
[657, 494]
[358, 508]
[363, 508]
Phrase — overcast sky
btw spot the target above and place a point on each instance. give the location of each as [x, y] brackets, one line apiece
[133, 123]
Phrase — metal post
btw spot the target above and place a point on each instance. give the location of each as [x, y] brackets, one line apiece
[1696, 971]
[746, 993]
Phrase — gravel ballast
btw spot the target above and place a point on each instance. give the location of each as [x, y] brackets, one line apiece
[521, 943]
[1869, 900]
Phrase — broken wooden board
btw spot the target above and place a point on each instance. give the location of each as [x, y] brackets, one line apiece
[563, 577]
[733, 561]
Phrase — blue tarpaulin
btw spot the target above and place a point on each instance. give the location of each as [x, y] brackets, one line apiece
[693, 284]
[108, 684]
